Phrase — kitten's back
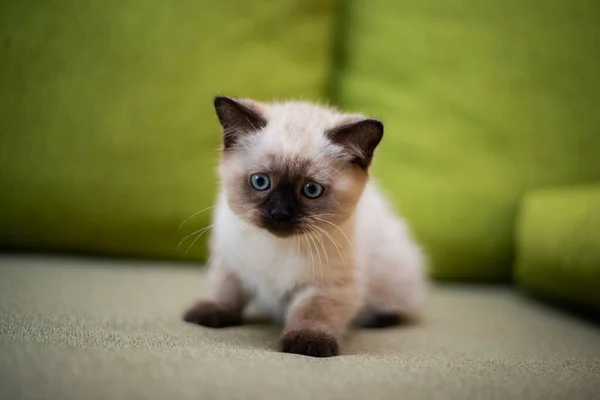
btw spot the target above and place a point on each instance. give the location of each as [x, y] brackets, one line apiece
[386, 253]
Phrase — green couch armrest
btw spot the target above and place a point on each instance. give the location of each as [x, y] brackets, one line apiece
[558, 245]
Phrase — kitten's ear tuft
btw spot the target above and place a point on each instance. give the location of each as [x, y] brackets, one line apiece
[237, 118]
[359, 138]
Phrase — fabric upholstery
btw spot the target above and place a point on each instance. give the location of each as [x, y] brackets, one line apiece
[558, 244]
[108, 136]
[100, 329]
[483, 101]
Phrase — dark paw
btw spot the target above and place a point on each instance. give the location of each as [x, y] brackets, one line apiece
[310, 343]
[382, 320]
[209, 314]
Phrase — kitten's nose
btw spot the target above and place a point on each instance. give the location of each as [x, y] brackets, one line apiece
[280, 213]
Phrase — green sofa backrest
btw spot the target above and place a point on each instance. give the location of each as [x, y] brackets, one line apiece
[108, 137]
[483, 101]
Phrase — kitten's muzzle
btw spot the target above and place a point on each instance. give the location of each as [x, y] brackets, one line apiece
[281, 214]
[280, 220]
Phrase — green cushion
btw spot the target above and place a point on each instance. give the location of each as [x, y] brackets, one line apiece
[108, 134]
[483, 100]
[558, 244]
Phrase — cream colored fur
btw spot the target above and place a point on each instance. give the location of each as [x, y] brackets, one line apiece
[358, 261]
[389, 264]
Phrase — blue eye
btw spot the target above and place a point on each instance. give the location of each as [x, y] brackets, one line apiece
[312, 190]
[260, 181]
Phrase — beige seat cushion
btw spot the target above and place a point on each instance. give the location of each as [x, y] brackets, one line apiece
[91, 329]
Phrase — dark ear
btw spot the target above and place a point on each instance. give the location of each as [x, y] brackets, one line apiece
[236, 119]
[359, 138]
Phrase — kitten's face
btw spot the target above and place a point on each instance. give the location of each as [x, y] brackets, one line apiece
[293, 167]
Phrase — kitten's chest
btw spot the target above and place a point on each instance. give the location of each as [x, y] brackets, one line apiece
[268, 266]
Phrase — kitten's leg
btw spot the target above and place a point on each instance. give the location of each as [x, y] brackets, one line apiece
[317, 318]
[371, 317]
[395, 295]
[392, 301]
[224, 303]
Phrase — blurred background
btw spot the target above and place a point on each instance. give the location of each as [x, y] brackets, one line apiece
[492, 112]
[108, 143]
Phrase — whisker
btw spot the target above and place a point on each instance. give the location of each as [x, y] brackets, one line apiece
[193, 215]
[318, 254]
[297, 247]
[322, 215]
[243, 206]
[312, 260]
[210, 258]
[335, 243]
[242, 230]
[321, 243]
[196, 239]
[328, 267]
[192, 234]
[338, 228]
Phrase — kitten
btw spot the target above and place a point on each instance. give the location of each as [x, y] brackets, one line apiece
[302, 230]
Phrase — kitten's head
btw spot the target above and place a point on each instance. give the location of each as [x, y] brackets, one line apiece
[288, 167]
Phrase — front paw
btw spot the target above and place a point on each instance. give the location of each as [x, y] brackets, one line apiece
[209, 314]
[310, 343]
